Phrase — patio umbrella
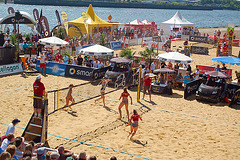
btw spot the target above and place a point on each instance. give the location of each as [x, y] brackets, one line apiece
[120, 60]
[163, 71]
[96, 50]
[53, 41]
[217, 74]
[227, 60]
[174, 57]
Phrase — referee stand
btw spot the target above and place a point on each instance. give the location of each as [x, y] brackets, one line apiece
[37, 128]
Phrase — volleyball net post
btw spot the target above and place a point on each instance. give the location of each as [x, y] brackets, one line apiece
[139, 84]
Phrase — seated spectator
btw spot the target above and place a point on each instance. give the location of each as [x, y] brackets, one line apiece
[93, 158]
[48, 154]
[1, 150]
[6, 141]
[27, 154]
[179, 77]
[5, 156]
[74, 61]
[18, 142]
[224, 68]
[64, 153]
[41, 153]
[82, 156]
[95, 64]
[8, 44]
[170, 66]
[100, 64]
[113, 158]
[161, 79]
[12, 150]
[218, 68]
[54, 156]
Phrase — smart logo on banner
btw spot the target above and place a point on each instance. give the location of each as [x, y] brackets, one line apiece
[78, 72]
[11, 69]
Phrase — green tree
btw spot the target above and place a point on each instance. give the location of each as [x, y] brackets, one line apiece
[148, 54]
[127, 53]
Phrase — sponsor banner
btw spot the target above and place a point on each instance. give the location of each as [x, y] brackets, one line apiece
[58, 17]
[203, 69]
[45, 27]
[79, 72]
[65, 20]
[10, 69]
[155, 45]
[99, 73]
[116, 45]
[36, 15]
[198, 39]
[199, 50]
[191, 88]
[231, 89]
[53, 68]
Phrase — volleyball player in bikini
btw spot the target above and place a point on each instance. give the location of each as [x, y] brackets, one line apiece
[102, 90]
[124, 97]
[134, 123]
[69, 96]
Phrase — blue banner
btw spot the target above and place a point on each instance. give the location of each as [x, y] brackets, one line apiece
[53, 68]
[116, 45]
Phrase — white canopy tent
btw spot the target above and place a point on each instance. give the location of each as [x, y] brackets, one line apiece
[174, 57]
[176, 21]
[53, 41]
[96, 50]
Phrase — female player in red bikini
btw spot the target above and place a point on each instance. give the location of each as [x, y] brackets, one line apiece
[124, 97]
[134, 123]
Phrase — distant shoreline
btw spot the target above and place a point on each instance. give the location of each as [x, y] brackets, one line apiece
[110, 4]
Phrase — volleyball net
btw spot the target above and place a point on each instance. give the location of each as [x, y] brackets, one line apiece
[57, 99]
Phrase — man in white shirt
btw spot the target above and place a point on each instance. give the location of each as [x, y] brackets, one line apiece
[42, 62]
[95, 64]
[100, 64]
[153, 66]
[11, 126]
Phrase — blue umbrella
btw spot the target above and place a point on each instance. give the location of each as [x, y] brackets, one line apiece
[227, 60]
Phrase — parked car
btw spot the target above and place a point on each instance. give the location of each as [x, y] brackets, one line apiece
[212, 90]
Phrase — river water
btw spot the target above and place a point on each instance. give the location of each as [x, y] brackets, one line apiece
[201, 18]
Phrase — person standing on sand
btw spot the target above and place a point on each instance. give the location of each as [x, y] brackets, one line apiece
[39, 91]
[102, 90]
[11, 126]
[124, 97]
[69, 97]
[134, 123]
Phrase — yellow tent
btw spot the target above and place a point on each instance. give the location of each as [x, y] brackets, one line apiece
[87, 21]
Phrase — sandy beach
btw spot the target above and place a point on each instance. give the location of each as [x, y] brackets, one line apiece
[172, 127]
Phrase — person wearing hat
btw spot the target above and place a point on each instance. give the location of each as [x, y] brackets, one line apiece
[11, 126]
[147, 86]
[39, 91]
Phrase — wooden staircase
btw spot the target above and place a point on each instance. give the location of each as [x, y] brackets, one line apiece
[36, 129]
[33, 131]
